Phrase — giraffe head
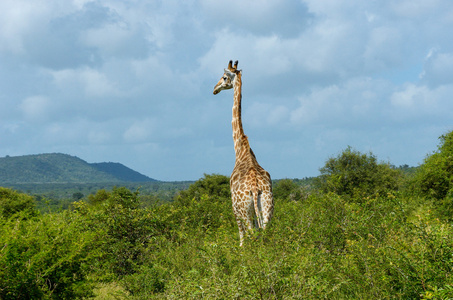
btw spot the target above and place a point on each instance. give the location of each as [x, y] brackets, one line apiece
[226, 82]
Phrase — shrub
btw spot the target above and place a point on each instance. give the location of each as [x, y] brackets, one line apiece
[149, 280]
[287, 189]
[205, 205]
[352, 174]
[434, 178]
[123, 229]
[45, 258]
[100, 197]
[213, 185]
[12, 202]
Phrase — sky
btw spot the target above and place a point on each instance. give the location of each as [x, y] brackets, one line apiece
[132, 81]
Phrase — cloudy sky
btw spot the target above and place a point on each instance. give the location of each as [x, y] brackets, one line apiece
[132, 81]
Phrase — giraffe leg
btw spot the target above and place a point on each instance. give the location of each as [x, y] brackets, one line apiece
[267, 202]
[239, 212]
[257, 203]
[241, 231]
[250, 213]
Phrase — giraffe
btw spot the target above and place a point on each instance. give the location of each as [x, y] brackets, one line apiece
[250, 184]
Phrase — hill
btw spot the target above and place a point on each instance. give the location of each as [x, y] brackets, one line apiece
[63, 168]
[121, 172]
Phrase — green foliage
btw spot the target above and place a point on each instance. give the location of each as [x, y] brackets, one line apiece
[77, 196]
[54, 194]
[435, 177]
[352, 173]
[12, 202]
[213, 185]
[287, 189]
[100, 197]
[45, 258]
[148, 280]
[204, 207]
[355, 237]
[324, 247]
[122, 229]
[327, 246]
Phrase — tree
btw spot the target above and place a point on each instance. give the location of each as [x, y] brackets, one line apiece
[352, 173]
[434, 178]
[12, 202]
[212, 185]
[287, 189]
[46, 257]
[123, 228]
[205, 204]
[100, 197]
[77, 196]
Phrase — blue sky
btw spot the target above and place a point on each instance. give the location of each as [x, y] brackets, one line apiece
[132, 81]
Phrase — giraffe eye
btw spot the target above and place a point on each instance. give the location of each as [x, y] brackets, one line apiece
[224, 78]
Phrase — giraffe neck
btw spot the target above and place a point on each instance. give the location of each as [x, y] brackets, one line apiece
[238, 131]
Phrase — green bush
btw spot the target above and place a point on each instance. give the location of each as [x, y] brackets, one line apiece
[147, 281]
[213, 185]
[354, 174]
[100, 197]
[434, 178]
[288, 190]
[45, 258]
[354, 238]
[122, 228]
[323, 247]
[201, 210]
[12, 202]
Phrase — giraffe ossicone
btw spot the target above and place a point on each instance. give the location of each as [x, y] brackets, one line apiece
[250, 184]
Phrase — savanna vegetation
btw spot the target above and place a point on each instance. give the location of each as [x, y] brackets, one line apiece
[363, 229]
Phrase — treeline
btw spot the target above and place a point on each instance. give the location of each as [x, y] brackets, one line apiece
[363, 229]
[52, 197]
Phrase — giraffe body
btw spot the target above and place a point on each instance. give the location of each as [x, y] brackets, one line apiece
[250, 184]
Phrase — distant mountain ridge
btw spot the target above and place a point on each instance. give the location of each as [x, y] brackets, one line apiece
[121, 172]
[63, 168]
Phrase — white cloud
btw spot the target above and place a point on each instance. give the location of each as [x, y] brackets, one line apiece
[99, 137]
[140, 131]
[270, 17]
[419, 103]
[359, 100]
[92, 82]
[384, 48]
[438, 69]
[410, 97]
[262, 115]
[117, 40]
[18, 19]
[417, 9]
[132, 77]
[37, 108]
